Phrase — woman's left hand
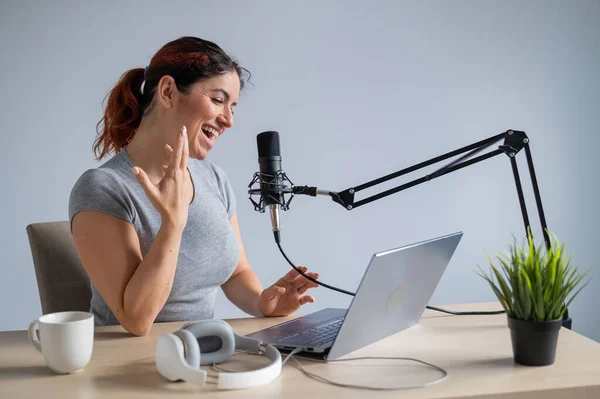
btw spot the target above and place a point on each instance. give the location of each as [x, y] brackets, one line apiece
[286, 295]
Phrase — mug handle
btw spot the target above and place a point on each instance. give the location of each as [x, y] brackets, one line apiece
[34, 329]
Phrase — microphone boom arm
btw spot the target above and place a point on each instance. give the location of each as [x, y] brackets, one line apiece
[514, 142]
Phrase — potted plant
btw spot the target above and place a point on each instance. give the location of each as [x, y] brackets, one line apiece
[535, 286]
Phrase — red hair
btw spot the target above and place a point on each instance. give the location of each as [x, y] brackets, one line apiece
[187, 59]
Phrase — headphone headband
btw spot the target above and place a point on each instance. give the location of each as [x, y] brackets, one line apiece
[254, 378]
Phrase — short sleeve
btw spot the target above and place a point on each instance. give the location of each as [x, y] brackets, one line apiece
[226, 190]
[100, 190]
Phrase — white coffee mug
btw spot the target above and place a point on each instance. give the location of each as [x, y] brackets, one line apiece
[65, 338]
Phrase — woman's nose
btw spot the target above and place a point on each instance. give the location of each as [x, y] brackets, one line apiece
[226, 119]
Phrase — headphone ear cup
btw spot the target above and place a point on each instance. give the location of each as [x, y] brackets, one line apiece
[191, 348]
[213, 330]
[171, 362]
[169, 352]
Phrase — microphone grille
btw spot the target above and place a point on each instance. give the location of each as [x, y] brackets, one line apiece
[268, 144]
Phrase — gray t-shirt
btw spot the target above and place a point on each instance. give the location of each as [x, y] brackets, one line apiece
[209, 250]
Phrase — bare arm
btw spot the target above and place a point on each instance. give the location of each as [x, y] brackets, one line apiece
[135, 289]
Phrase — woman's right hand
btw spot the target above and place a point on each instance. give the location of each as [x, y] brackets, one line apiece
[171, 195]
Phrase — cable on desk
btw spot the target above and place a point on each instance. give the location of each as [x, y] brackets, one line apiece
[325, 380]
[466, 313]
[292, 353]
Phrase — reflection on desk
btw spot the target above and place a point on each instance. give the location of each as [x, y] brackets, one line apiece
[475, 350]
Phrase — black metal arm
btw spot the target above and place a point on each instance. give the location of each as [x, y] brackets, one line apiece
[514, 141]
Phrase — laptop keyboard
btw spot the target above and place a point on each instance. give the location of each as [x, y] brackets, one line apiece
[315, 336]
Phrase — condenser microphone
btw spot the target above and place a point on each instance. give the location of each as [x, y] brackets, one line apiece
[271, 180]
[274, 184]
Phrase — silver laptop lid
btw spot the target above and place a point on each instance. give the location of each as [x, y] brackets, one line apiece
[394, 292]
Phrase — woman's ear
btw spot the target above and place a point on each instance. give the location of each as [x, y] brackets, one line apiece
[166, 91]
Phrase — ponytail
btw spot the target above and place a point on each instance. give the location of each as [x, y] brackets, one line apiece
[122, 115]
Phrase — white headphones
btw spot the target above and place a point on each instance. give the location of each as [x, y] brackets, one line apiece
[180, 354]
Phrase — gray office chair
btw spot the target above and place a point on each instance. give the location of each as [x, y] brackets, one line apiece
[62, 281]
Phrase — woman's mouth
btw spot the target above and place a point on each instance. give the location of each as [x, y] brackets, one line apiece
[210, 135]
[210, 132]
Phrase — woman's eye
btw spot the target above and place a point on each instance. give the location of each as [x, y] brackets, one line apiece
[218, 100]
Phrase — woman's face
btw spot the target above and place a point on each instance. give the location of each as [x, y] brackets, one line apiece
[207, 111]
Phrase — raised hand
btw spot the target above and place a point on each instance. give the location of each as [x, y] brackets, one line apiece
[171, 195]
[286, 295]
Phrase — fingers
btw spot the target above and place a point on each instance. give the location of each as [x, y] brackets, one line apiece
[306, 299]
[292, 275]
[301, 281]
[169, 151]
[308, 285]
[144, 181]
[273, 291]
[175, 161]
[185, 150]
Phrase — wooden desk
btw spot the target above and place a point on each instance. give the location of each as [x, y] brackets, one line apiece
[475, 350]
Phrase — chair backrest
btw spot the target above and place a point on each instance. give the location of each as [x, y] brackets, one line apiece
[62, 281]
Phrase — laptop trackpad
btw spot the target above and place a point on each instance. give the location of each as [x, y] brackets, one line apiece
[300, 324]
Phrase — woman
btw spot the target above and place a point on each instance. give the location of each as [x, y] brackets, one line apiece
[155, 226]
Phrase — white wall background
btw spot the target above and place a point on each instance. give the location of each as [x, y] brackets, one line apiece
[357, 89]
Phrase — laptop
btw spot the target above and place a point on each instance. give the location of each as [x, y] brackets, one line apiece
[391, 297]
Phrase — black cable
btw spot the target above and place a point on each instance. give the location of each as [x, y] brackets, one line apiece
[465, 313]
[310, 278]
[353, 294]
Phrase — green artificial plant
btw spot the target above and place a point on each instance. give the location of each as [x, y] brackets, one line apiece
[533, 283]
